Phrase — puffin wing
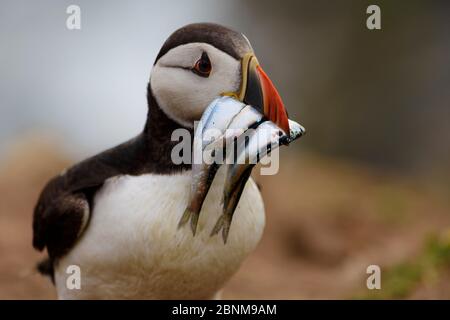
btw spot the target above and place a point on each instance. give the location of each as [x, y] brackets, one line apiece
[63, 210]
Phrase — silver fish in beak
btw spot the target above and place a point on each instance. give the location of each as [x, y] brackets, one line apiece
[252, 147]
[209, 132]
[225, 122]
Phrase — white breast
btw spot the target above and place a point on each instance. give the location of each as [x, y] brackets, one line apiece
[133, 249]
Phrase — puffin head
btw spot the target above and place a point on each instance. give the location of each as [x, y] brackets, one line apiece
[202, 61]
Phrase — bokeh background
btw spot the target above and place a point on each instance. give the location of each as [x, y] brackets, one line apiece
[369, 183]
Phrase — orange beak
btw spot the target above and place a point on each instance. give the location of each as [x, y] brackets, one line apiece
[258, 91]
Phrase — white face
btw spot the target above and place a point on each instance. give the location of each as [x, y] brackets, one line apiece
[183, 94]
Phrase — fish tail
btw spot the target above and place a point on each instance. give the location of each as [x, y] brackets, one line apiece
[218, 225]
[185, 218]
[223, 223]
[194, 221]
[189, 214]
[225, 231]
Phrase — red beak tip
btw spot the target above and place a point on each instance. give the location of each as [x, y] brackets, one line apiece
[273, 105]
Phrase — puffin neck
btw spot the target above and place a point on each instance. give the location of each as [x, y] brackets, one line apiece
[157, 132]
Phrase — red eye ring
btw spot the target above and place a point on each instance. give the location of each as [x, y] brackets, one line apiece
[203, 66]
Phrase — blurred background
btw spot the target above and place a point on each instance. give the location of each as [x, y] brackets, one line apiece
[369, 183]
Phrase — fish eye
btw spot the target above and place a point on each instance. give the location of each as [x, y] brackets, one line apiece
[203, 66]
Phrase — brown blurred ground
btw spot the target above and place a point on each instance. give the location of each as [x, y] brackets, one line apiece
[327, 220]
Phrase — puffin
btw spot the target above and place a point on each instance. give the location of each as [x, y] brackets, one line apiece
[115, 215]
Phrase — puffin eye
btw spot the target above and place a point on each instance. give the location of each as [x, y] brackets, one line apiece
[203, 66]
